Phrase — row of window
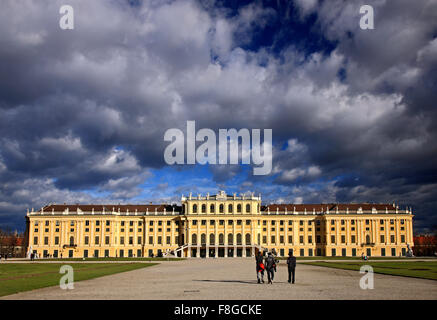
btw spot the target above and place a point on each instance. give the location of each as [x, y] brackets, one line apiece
[221, 208]
[272, 222]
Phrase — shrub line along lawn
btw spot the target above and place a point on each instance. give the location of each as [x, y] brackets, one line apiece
[414, 269]
[18, 277]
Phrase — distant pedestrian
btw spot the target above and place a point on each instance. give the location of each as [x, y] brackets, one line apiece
[291, 262]
[259, 267]
[270, 265]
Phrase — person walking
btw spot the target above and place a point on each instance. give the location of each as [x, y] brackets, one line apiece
[291, 262]
[270, 265]
[259, 267]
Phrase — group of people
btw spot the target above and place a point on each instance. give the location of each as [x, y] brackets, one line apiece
[269, 264]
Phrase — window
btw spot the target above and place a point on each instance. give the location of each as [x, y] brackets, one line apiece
[131, 240]
[238, 208]
[302, 252]
[290, 239]
[353, 239]
[203, 208]
[392, 239]
[301, 222]
[239, 222]
[248, 239]
[96, 240]
[247, 222]
[97, 223]
[221, 208]
[35, 240]
[367, 239]
[342, 222]
[212, 208]
[301, 239]
[383, 252]
[230, 208]
[71, 241]
[46, 240]
[230, 238]
[211, 239]
[230, 222]
[222, 222]
[343, 239]
[151, 240]
[221, 238]
[107, 240]
[56, 240]
[402, 238]
[310, 239]
[333, 252]
[203, 222]
[159, 240]
[194, 208]
[71, 223]
[193, 238]
[264, 239]
[211, 222]
[367, 221]
[332, 239]
[247, 208]
[273, 239]
[87, 240]
[194, 222]
[140, 240]
[203, 238]
[108, 223]
[47, 223]
[168, 240]
[381, 238]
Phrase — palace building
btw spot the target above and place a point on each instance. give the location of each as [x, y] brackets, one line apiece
[219, 226]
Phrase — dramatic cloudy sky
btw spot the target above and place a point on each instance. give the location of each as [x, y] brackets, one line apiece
[83, 112]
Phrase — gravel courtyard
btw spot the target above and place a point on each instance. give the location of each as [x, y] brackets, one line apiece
[225, 279]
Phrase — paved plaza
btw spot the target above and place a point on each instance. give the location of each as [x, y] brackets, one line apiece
[224, 279]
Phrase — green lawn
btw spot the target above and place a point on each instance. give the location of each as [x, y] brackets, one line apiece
[359, 258]
[17, 277]
[111, 259]
[415, 269]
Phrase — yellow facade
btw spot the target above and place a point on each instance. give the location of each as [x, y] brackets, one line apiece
[219, 226]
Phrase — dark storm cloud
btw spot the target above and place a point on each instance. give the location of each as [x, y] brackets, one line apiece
[353, 112]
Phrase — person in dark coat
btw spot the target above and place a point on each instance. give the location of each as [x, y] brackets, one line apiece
[270, 265]
[291, 262]
[259, 267]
